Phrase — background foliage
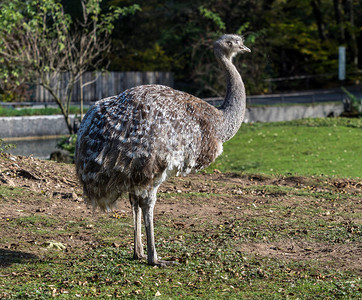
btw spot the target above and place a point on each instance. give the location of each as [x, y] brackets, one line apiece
[287, 38]
[39, 42]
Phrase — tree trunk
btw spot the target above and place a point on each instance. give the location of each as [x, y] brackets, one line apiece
[69, 124]
[81, 96]
[316, 4]
[64, 110]
[351, 32]
[338, 15]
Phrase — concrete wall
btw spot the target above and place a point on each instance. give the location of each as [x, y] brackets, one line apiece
[289, 113]
[35, 126]
[32, 126]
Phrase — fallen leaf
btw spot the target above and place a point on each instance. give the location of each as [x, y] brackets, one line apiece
[55, 245]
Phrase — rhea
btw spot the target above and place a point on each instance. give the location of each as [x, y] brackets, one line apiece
[135, 141]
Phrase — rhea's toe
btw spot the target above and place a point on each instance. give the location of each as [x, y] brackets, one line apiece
[165, 263]
[139, 256]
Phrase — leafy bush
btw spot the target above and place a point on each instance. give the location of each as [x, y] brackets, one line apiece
[353, 105]
[4, 146]
[68, 143]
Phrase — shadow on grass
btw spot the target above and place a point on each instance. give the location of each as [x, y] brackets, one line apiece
[9, 257]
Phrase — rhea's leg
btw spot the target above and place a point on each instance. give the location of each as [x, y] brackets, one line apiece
[137, 216]
[151, 248]
[147, 204]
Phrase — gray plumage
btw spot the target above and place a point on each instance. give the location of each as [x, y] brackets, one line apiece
[135, 141]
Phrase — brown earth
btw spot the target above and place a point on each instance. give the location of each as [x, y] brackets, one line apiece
[53, 190]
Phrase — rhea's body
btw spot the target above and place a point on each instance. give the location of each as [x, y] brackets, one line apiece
[135, 141]
[142, 137]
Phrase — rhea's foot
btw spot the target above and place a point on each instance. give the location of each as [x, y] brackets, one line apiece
[163, 263]
[139, 256]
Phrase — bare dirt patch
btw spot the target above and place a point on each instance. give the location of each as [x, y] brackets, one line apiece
[40, 200]
[343, 256]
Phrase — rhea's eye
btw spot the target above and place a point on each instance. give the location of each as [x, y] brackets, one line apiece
[229, 43]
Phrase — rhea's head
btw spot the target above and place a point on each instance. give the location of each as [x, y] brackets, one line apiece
[230, 45]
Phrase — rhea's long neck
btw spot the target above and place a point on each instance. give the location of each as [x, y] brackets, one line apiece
[233, 107]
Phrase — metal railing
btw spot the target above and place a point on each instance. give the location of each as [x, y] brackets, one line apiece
[310, 97]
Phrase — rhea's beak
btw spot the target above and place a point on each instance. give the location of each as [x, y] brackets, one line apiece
[243, 48]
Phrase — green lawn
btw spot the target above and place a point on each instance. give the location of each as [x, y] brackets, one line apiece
[304, 147]
[240, 235]
[262, 244]
[10, 112]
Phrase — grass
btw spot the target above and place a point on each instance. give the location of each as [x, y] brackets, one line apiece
[125, 280]
[10, 112]
[305, 147]
[10, 192]
[25, 111]
[262, 236]
[213, 262]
